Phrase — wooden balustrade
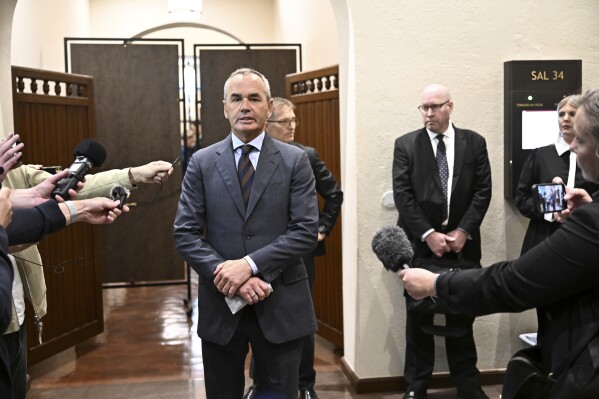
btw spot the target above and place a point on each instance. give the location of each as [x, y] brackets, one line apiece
[44, 83]
[318, 81]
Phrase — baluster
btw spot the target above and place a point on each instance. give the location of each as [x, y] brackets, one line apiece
[308, 86]
[69, 89]
[333, 79]
[46, 87]
[316, 81]
[324, 82]
[57, 88]
[294, 89]
[20, 84]
[33, 86]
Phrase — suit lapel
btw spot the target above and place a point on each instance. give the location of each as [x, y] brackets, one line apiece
[267, 164]
[458, 159]
[426, 149]
[225, 164]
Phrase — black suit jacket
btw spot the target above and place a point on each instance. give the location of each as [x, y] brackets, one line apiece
[541, 166]
[418, 194]
[561, 273]
[329, 190]
[6, 277]
[30, 225]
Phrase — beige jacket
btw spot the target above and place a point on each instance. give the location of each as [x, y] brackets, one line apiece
[29, 260]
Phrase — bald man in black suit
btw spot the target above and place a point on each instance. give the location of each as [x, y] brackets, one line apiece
[442, 190]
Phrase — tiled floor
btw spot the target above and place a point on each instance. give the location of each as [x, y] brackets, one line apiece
[150, 350]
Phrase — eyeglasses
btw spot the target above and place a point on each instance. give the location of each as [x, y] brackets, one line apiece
[286, 122]
[433, 107]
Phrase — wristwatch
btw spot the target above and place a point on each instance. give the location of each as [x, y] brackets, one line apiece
[322, 229]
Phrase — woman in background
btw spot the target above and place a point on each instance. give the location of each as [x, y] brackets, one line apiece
[544, 164]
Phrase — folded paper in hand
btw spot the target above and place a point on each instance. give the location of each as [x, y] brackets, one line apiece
[237, 303]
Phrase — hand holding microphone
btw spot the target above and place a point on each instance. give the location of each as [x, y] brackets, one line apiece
[153, 172]
[420, 283]
[88, 153]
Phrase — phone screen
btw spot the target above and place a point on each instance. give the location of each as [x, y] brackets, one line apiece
[549, 197]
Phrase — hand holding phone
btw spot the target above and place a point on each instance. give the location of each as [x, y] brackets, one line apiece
[549, 197]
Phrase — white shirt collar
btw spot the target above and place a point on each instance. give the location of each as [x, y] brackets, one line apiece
[561, 146]
[257, 142]
[449, 133]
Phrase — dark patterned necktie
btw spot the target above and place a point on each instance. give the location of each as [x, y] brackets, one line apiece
[443, 171]
[245, 169]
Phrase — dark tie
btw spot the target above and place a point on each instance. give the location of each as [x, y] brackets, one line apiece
[443, 171]
[246, 172]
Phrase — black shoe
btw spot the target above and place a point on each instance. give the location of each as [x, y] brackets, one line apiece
[477, 394]
[308, 393]
[412, 395]
[251, 393]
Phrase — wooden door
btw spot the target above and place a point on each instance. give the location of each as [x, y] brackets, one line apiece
[316, 97]
[53, 112]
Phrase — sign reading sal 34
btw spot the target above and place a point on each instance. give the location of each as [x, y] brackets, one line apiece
[547, 75]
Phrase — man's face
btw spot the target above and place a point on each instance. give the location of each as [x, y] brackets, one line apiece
[587, 152]
[282, 124]
[246, 106]
[435, 118]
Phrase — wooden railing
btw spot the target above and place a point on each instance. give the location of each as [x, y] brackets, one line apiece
[317, 81]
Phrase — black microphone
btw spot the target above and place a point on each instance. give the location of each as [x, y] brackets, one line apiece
[120, 194]
[88, 153]
[391, 245]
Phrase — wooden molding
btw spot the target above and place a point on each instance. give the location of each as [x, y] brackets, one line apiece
[398, 383]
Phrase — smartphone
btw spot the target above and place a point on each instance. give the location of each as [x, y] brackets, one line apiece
[52, 169]
[549, 197]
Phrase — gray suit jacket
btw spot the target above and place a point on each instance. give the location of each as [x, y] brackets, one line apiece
[279, 226]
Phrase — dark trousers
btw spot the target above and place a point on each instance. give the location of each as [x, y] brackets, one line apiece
[420, 354]
[276, 365]
[307, 374]
[16, 347]
[5, 374]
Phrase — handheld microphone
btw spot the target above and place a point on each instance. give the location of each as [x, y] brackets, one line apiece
[88, 153]
[392, 247]
[120, 194]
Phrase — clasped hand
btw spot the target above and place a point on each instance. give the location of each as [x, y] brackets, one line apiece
[230, 275]
[441, 244]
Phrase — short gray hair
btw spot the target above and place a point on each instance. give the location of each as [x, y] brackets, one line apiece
[589, 102]
[278, 102]
[245, 72]
[573, 100]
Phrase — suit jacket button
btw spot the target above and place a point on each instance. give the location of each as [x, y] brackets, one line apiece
[247, 236]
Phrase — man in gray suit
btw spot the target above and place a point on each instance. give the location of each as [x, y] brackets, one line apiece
[247, 214]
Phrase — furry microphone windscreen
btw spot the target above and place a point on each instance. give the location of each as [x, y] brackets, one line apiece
[392, 247]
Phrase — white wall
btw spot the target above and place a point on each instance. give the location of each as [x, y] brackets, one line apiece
[7, 8]
[39, 29]
[313, 24]
[400, 47]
